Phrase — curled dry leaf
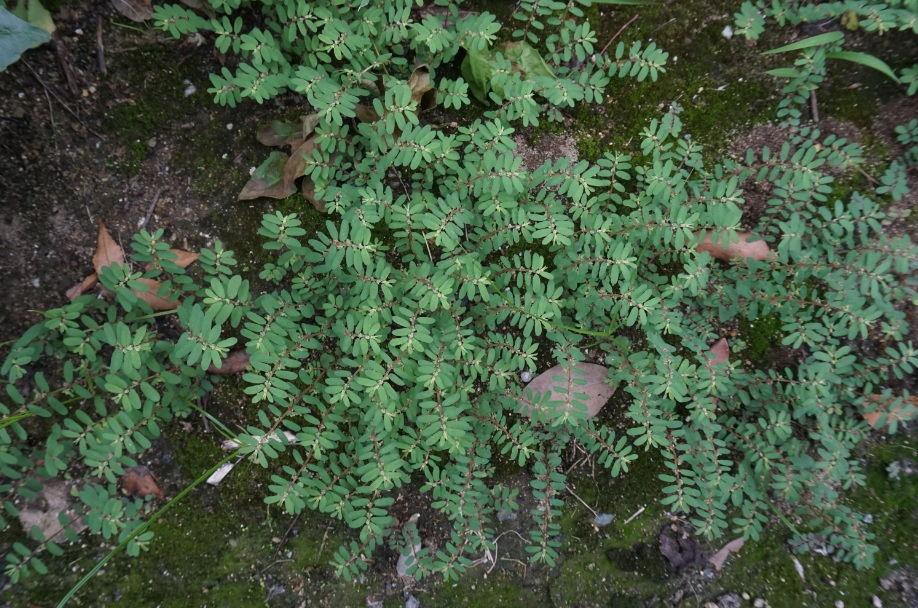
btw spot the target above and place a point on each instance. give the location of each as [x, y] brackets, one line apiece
[140, 482]
[718, 559]
[561, 392]
[82, 287]
[757, 250]
[234, 363]
[422, 91]
[901, 413]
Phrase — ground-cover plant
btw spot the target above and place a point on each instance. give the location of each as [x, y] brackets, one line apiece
[389, 347]
[827, 23]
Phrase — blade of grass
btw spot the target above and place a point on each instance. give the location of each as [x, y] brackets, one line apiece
[865, 59]
[142, 528]
[806, 43]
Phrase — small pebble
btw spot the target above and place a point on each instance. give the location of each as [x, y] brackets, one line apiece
[727, 32]
[229, 126]
[760, 603]
[526, 376]
[877, 602]
[36, 282]
[868, 519]
[746, 596]
[839, 604]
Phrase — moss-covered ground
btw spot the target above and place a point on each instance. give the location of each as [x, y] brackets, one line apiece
[221, 546]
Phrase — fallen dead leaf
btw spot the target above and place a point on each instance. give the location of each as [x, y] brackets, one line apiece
[903, 413]
[268, 179]
[757, 250]
[718, 559]
[140, 482]
[80, 288]
[135, 10]
[184, 259]
[42, 511]
[561, 392]
[234, 363]
[108, 251]
[157, 303]
[721, 352]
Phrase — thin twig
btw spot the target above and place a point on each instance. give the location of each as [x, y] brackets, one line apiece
[813, 106]
[574, 494]
[281, 544]
[634, 516]
[59, 100]
[53, 124]
[617, 34]
[150, 209]
[100, 48]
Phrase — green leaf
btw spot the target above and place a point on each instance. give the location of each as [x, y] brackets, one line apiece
[806, 43]
[17, 36]
[865, 59]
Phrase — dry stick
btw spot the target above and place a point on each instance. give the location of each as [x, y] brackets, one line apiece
[150, 209]
[634, 516]
[59, 100]
[617, 34]
[100, 48]
[574, 494]
[813, 107]
[53, 124]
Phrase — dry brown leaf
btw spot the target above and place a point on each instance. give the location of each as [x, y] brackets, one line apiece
[157, 303]
[721, 352]
[596, 390]
[135, 10]
[108, 251]
[278, 133]
[140, 482]
[757, 250]
[268, 180]
[365, 113]
[308, 188]
[184, 259]
[80, 288]
[718, 559]
[422, 91]
[902, 413]
[234, 363]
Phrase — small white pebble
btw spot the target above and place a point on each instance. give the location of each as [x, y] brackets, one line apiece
[191, 90]
[868, 519]
[78, 32]
[877, 602]
[727, 32]
[36, 282]
[839, 604]
[229, 126]
[251, 170]
[526, 376]
[760, 603]
[225, 156]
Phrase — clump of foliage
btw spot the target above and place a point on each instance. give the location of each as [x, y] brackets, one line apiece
[832, 19]
[391, 342]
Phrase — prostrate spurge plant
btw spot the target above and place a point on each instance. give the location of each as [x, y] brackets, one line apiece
[392, 343]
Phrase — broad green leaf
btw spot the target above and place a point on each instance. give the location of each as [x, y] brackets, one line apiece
[865, 59]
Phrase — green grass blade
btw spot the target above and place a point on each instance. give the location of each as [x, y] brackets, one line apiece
[865, 59]
[142, 528]
[784, 72]
[806, 43]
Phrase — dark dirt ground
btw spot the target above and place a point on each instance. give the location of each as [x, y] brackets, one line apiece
[124, 144]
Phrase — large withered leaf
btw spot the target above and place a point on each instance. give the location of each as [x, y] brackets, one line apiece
[547, 398]
[268, 179]
[108, 251]
[757, 250]
[279, 133]
[135, 10]
[880, 406]
[720, 351]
